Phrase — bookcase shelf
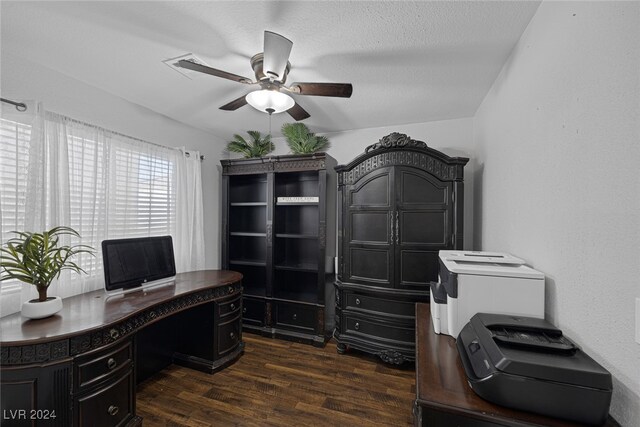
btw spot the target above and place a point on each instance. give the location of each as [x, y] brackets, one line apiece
[247, 234]
[251, 262]
[308, 267]
[297, 219]
[297, 296]
[253, 290]
[246, 204]
[276, 232]
[296, 236]
[296, 203]
[248, 219]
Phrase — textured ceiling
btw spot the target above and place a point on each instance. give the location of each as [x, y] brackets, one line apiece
[409, 62]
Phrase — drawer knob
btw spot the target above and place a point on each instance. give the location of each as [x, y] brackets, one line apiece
[111, 363]
[232, 335]
[295, 317]
[230, 289]
[357, 326]
[357, 301]
[114, 334]
[113, 410]
[233, 306]
[244, 310]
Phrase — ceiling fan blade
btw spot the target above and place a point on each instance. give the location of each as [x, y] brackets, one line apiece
[298, 113]
[341, 90]
[276, 55]
[235, 104]
[212, 71]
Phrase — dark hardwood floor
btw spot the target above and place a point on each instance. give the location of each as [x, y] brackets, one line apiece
[280, 383]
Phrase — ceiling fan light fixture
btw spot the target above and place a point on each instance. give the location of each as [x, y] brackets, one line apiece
[265, 100]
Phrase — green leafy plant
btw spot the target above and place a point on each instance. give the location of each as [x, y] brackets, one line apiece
[36, 258]
[303, 141]
[257, 146]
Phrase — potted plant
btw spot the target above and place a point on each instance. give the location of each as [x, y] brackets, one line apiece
[257, 146]
[37, 259]
[301, 140]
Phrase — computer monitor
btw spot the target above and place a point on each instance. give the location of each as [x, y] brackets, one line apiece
[129, 263]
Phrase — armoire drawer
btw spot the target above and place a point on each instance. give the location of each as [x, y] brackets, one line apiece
[92, 369]
[293, 316]
[228, 335]
[357, 301]
[111, 405]
[253, 311]
[229, 308]
[375, 328]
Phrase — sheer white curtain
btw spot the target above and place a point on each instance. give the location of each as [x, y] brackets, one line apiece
[105, 186]
[190, 226]
[21, 137]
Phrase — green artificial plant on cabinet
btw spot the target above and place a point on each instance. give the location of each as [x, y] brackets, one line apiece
[301, 140]
[256, 146]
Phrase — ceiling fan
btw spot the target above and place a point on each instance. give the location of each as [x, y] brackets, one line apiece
[271, 68]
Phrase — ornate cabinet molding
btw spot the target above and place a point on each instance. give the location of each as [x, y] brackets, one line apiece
[286, 163]
[395, 140]
[400, 150]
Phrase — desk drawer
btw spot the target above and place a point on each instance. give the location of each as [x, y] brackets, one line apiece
[231, 307]
[108, 406]
[99, 366]
[293, 316]
[380, 329]
[364, 302]
[228, 336]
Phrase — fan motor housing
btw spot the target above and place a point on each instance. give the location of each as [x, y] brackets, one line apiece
[256, 64]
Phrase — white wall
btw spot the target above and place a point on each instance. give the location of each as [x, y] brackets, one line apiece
[22, 79]
[452, 137]
[558, 148]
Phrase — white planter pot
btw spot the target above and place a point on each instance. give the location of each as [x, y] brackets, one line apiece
[35, 309]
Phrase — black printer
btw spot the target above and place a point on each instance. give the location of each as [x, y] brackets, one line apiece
[526, 363]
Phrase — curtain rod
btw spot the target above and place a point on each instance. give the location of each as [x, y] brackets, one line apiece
[119, 134]
[20, 106]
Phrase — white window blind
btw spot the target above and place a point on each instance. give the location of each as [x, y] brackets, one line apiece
[14, 158]
[144, 194]
[118, 188]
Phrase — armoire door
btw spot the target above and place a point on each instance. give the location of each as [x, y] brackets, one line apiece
[368, 241]
[423, 221]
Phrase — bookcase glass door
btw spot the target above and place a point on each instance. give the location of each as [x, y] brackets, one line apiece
[248, 230]
[296, 249]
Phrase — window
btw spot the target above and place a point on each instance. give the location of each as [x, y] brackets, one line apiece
[14, 158]
[103, 185]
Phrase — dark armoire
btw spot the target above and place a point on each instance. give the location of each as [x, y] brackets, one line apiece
[399, 203]
[278, 228]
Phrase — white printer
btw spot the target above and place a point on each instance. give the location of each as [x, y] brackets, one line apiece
[472, 282]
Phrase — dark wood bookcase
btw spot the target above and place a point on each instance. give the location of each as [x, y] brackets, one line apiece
[276, 232]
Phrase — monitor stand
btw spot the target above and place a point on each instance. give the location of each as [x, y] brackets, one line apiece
[146, 286]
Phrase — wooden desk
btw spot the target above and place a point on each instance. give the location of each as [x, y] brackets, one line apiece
[81, 364]
[444, 397]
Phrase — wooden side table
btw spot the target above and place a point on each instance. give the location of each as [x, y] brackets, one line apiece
[443, 396]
